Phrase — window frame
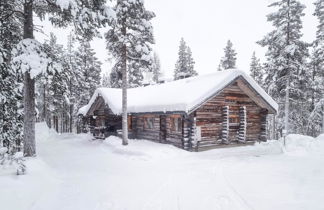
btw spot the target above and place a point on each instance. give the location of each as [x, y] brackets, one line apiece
[176, 124]
[148, 123]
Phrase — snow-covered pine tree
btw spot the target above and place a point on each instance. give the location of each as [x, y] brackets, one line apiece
[105, 82]
[87, 16]
[219, 68]
[316, 69]
[256, 69]
[72, 83]
[316, 119]
[286, 62]
[191, 63]
[185, 64]
[129, 41]
[11, 118]
[229, 59]
[116, 75]
[89, 72]
[156, 68]
[51, 84]
[180, 71]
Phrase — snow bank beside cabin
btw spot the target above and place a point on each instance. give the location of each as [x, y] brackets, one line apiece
[180, 95]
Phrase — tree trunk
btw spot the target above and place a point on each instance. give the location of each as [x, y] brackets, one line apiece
[44, 104]
[29, 89]
[287, 106]
[124, 90]
[288, 75]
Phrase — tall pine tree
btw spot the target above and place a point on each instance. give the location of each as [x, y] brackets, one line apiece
[185, 64]
[286, 54]
[256, 69]
[87, 16]
[129, 41]
[316, 69]
[89, 72]
[229, 59]
[156, 68]
[11, 116]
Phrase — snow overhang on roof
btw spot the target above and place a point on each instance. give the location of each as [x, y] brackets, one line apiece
[180, 95]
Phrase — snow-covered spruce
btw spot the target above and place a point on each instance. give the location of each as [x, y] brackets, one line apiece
[184, 67]
[129, 41]
[229, 59]
[286, 76]
[256, 71]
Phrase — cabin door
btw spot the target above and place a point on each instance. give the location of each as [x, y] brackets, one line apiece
[234, 123]
[162, 128]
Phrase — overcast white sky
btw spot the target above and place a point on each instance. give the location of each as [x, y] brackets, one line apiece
[206, 25]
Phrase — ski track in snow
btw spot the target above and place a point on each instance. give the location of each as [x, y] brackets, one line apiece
[76, 173]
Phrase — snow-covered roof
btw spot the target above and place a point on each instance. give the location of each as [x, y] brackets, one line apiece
[180, 95]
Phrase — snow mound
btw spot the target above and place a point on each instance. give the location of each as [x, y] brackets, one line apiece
[143, 149]
[297, 144]
[44, 133]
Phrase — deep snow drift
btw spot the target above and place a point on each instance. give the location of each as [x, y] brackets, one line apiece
[73, 172]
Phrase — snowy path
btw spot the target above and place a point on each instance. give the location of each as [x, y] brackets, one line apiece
[74, 173]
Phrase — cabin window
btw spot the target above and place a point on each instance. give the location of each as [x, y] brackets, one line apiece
[176, 124]
[148, 123]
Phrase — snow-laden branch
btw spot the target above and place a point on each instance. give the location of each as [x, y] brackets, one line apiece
[28, 56]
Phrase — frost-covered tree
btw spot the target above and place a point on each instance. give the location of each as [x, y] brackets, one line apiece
[219, 67]
[286, 74]
[191, 63]
[129, 41]
[316, 119]
[180, 71]
[256, 69]
[185, 64]
[229, 59]
[89, 72]
[11, 118]
[29, 57]
[316, 69]
[105, 82]
[116, 75]
[156, 68]
[70, 65]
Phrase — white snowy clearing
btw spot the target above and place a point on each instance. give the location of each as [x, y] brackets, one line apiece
[74, 172]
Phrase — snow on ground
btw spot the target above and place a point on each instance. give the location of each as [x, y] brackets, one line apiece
[73, 172]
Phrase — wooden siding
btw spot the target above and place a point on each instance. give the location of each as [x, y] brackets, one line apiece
[141, 131]
[209, 117]
[161, 131]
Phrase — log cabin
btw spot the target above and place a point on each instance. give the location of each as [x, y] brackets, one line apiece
[222, 109]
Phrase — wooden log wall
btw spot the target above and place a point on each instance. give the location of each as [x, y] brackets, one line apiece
[172, 136]
[142, 131]
[212, 120]
[162, 130]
